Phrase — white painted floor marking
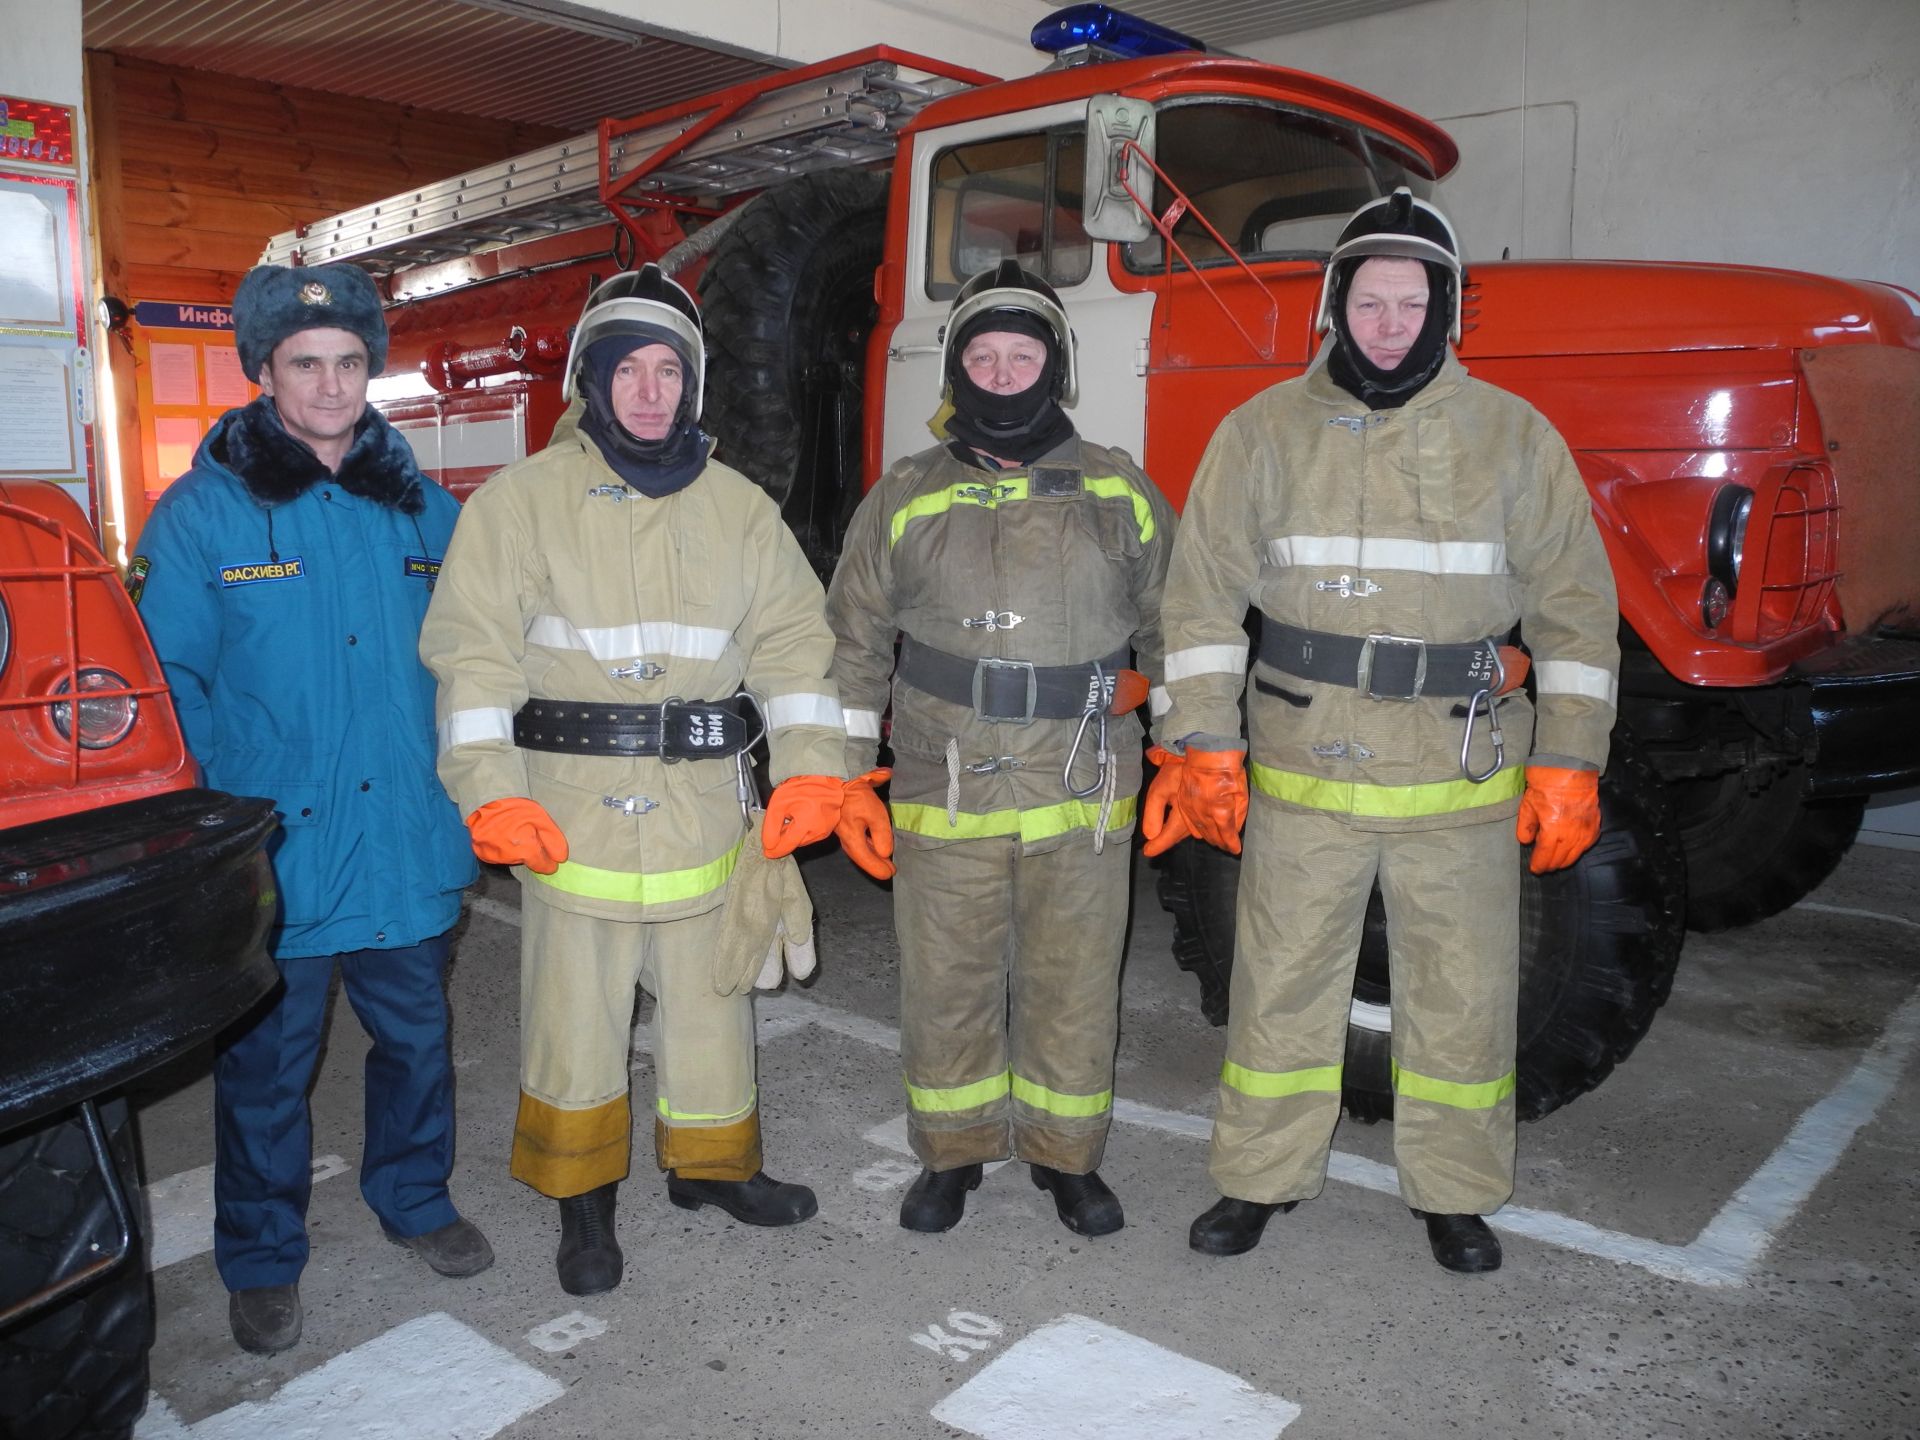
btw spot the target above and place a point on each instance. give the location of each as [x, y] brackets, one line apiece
[495, 910]
[429, 1379]
[1724, 1253]
[565, 1331]
[892, 1135]
[885, 1175]
[1077, 1379]
[181, 1207]
[1858, 914]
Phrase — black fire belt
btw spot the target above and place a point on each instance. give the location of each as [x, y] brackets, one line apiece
[1383, 667]
[1015, 690]
[675, 730]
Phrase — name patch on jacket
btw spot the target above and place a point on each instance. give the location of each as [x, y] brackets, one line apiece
[422, 567]
[293, 568]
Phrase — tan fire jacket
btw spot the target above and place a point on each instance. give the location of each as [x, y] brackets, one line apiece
[1450, 519]
[1066, 576]
[561, 583]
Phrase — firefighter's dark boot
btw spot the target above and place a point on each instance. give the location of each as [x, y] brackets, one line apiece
[1232, 1227]
[759, 1201]
[936, 1201]
[1086, 1205]
[589, 1260]
[1462, 1243]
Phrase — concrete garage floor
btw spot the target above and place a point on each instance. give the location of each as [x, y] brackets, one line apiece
[1723, 1241]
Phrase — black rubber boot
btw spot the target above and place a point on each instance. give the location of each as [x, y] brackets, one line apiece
[1086, 1205]
[1462, 1243]
[589, 1260]
[1232, 1227]
[936, 1201]
[759, 1201]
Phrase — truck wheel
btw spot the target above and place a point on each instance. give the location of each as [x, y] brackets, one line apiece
[1753, 852]
[1599, 942]
[79, 1369]
[788, 304]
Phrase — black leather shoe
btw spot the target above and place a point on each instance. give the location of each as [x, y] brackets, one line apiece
[265, 1319]
[1232, 1227]
[759, 1201]
[1086, 1205]
[589, 1259]
[457, 1250]
[938, 1198]
[1462, 1243]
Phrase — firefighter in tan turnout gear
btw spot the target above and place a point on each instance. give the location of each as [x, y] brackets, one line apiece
[1392, 519]
[1021, 568]
[617, 621]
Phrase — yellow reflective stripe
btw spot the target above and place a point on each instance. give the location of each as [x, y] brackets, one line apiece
[961, 1097]
[1054, 1102]
[1115, 487]
[646, 889]
[1387, 802]
[987, 493]
[992, 494]
[1482, 1096]
[694, 1115]
[1040, 823]
[1273, 1084]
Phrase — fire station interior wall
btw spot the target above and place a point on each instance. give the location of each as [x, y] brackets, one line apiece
[1765, 132]
[1769, 132]
[194, 171]
[989, 35]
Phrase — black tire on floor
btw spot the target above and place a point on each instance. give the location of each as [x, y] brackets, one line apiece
[1599, 943]
[787, 301]
[1757, 845]
[78, 1371]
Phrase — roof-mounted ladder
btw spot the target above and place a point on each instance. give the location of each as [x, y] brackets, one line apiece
[694, 156]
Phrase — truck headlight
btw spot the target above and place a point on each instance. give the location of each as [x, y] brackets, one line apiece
[1727, 534]
[104, 720]
[6, 635]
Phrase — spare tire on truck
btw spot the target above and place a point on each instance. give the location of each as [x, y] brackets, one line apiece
[787, 301]
[1599, 942]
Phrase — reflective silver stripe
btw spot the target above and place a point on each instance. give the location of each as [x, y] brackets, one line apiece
[1425, 557]
[1570, 677]
[1206, 660]
[625, 642]
[861, 724]
[1159, 702]
[803, 708]
[467, 727]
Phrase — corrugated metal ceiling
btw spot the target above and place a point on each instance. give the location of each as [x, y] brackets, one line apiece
[462, 57]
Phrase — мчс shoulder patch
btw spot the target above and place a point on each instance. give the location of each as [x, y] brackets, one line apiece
[137, 577]
[292, 568]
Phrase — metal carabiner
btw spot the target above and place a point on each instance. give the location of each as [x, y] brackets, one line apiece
[1096, 709]
[1490, 696]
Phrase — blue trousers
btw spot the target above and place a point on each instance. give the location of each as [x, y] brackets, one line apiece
[263, 1128]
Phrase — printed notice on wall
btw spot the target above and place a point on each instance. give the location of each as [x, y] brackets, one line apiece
[176, 374]
[175, 441]
[36, 420]
[29, 263]
[226, 384]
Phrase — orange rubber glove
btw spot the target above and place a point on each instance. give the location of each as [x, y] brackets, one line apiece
[1559, 815]
[865, 828]
[517, 831]
[1213, 793]
[1161, 820]
[801, 810]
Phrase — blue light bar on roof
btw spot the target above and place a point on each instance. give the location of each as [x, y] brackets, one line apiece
[1104, 28]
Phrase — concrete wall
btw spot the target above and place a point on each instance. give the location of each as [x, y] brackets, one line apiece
[1773, 132]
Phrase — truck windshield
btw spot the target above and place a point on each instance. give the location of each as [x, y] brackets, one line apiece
[1276, 183]
[1013, 195]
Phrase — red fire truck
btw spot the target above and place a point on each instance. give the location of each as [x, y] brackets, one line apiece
[1747, 434]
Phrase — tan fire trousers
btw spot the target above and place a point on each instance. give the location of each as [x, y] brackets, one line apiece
[1453, 923]
[578, 976]
[1010, 998]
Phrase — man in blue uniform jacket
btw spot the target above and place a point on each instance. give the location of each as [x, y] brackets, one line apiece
[283, 580]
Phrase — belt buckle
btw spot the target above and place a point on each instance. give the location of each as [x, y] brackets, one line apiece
[1363, 680]
[980, 669]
